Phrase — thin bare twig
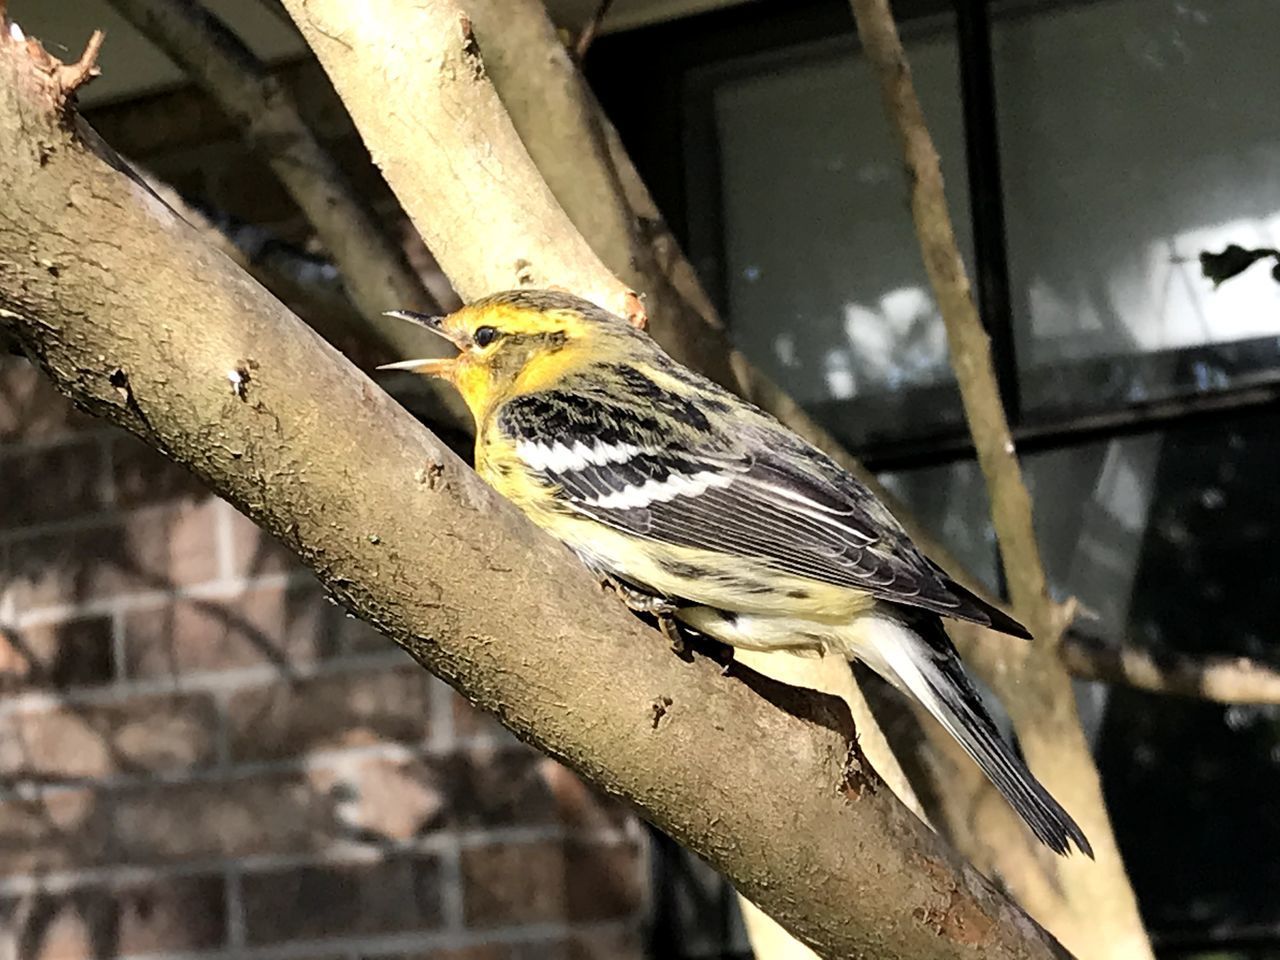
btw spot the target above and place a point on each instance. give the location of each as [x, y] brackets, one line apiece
[590, 29]
[73, 76]
[1090, 906]
[1220, 679]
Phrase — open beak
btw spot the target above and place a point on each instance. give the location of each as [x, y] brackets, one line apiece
[434, 366]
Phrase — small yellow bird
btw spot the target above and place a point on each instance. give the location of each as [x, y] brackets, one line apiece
[700, 506]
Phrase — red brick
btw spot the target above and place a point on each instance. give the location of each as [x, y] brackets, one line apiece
[505, 884]
[603, 881]
[142, 476]
[551, 881]
[328, 712]
[281, 813]
[56, 830]
[31, 409]
[359, 637]
[139, 735]
[69, 653]
[256, 553]
[396, 799]
[155, 549]
[399, 894]
[469, 721]
[39, 484]
[267, 625]
[499, 787]
[172, 914]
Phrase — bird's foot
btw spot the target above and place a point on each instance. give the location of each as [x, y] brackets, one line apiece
[638, 600]
[670, 628]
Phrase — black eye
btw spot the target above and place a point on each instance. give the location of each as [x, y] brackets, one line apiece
[484, 336]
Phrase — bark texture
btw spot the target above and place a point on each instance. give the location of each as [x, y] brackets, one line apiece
[139, 321]
[414, 81]
[1089, 905]
[322, 303]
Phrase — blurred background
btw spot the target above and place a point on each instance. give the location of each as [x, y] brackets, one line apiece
[200, 756]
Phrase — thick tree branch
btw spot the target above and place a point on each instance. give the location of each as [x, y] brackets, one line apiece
[1217, 678]
[311, 289]
[374, 270]
[413, 80]
[140, 322]
[578, 154]
[1091, 906]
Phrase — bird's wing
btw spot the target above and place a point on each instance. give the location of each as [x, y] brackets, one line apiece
[772, 499]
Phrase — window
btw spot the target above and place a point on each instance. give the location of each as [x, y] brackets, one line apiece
[1117, 140]
[820, 273]
[1135, 134]
[1124, 156]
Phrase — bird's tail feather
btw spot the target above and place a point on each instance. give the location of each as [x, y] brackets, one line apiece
[921, 660]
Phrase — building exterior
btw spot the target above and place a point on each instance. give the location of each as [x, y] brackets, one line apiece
[201, 756]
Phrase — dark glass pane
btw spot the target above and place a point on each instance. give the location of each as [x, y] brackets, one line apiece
[694, 912]
[1157, 533]
[950, 501]
[1134, 135]
[1173, 541]
[820, 266]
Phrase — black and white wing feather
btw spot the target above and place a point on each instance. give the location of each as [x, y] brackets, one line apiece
[763, 495]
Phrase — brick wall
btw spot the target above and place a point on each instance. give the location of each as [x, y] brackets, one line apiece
[200, 755]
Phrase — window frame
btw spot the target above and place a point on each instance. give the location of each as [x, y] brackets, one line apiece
[697, 52]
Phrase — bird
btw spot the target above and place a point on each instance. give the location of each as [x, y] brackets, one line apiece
[704, 510]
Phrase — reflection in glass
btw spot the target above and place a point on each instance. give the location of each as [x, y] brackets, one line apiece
[1163, 142]
[1173, 542]
[825, 287]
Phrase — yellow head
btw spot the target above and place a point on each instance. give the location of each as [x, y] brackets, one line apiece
[514, 342]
